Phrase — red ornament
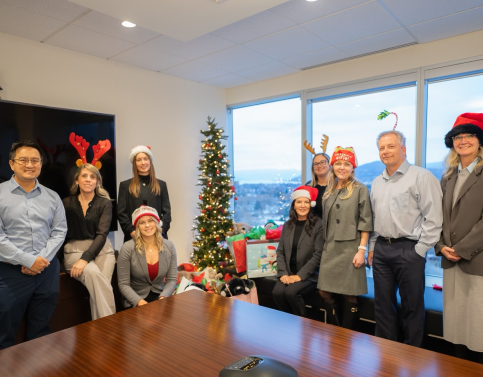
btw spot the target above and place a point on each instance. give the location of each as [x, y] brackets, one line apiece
[217, 172]
[217, 239]
[209, 207]
[220, 156]
[204, 210]
[236, 198]
[207, 145]
[200, 197]
[200, 160]
[208, 184]
[202, 229]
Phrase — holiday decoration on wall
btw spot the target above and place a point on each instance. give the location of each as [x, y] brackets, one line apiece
[215, 218]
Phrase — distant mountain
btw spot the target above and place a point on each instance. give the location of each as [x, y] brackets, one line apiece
[367, 172]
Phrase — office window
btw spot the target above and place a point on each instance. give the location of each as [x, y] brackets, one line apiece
[446, 100]
[267, 160]
[352, 122]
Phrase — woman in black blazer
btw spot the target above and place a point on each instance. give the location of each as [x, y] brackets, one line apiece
[298, 253]
[143, 189]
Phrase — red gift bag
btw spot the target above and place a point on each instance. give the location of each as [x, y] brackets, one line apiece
[240, 251]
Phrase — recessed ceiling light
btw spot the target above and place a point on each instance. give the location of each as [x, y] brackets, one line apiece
[128, 24]
[311, 0]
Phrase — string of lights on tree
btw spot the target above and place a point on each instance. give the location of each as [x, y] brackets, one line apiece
[215, 218]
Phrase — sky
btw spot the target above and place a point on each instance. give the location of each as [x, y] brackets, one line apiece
[268, 137]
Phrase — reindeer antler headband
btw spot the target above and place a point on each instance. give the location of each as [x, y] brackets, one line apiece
[81, 146]
[323, 144]
[384, 114]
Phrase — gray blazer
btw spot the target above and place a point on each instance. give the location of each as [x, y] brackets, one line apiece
[354, 214]
[133, 276]
[463, 224]
[309, 251]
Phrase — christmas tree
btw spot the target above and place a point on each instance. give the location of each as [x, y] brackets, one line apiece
[215, 218]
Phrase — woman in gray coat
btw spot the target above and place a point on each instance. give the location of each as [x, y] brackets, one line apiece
[146, 266]
[461, 240]
[298, 253]
[347, 223]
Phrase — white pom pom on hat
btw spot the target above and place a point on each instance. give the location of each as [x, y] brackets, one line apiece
[141, 149]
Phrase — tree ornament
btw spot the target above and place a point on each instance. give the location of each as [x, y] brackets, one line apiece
[236, 198]
[220, 156]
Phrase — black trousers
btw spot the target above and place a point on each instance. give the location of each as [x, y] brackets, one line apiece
[34, 296]
[397, 265]
[288, 298]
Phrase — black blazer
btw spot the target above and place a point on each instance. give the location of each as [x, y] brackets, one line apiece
[127, 203]
[309, 252]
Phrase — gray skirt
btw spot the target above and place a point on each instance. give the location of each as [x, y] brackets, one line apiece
[462, 308]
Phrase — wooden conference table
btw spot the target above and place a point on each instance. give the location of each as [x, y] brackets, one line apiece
[198, 334]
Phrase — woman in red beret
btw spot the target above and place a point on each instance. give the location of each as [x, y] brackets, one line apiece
[461, 242]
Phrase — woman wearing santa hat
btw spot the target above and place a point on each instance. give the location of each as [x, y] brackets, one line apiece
[347, 222]
[146, 267]
[298, 253]
[143, 189]
[461, 242]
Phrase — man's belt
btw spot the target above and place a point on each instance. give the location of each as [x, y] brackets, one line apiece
[394, 240]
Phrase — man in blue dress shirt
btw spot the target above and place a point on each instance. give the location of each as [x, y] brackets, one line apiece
[32, 229]
[408, 215]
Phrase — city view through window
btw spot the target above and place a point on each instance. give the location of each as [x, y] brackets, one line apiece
[267, 141]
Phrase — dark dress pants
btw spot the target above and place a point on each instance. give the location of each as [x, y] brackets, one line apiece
[398, 265]
[32, 296]
[288, 298]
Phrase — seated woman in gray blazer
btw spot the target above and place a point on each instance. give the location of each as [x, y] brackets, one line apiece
[146, 261]
[298, 253]
[347, 219]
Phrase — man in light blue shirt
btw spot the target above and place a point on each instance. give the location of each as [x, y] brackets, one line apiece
[407, 209]
[32, 229]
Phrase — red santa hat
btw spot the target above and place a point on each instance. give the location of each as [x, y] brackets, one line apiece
[145, 211]
[344, 154]
[140, 149]
[308, 192]
[467, 123]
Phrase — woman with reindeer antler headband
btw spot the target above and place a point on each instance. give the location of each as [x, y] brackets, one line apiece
[143, 189]
[88, 253]
[320, 172]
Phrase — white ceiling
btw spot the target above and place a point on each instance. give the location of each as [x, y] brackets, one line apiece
[273, 42]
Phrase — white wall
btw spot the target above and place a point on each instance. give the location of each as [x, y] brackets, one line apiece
[445, 50]
[150, 108]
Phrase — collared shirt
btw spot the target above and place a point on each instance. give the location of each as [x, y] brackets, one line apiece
[470, 167]
[407, 204]
[31, 224]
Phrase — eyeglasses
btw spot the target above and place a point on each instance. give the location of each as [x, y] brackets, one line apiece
[467, 137]
[25, 161]
[323, 162]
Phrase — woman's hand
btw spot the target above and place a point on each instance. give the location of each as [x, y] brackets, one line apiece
[359, 259]
[161, 297]
[285, 279]
[133, 233]
[294, 279]
[77, 268]
[450, 254]
[141, 303]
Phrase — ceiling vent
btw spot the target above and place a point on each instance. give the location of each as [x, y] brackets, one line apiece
[360, 56]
